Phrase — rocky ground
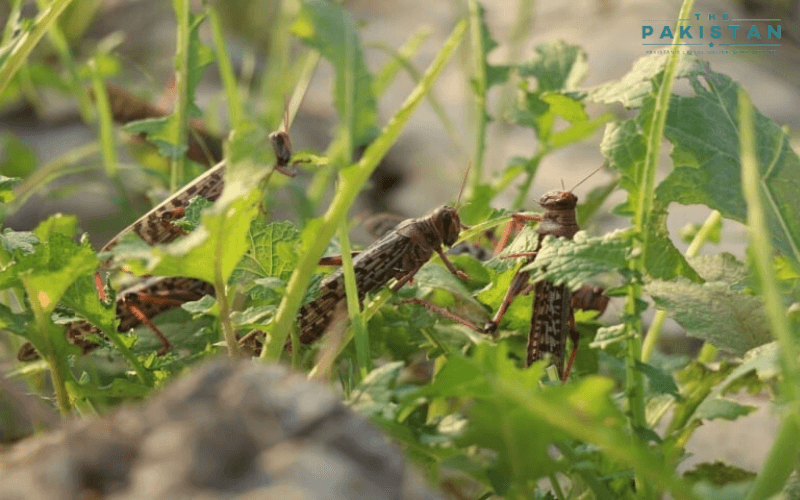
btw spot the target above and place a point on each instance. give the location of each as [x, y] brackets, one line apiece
[229, 430]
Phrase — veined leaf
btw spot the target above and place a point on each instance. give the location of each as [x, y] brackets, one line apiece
[715, 311]
[272, 252]
[704, 131]
[573, 262]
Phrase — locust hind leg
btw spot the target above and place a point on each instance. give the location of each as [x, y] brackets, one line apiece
[141, 316]
[444, 312]
[516, 223]
[519, 285]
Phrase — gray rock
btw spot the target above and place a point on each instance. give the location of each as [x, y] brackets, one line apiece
[228, 430]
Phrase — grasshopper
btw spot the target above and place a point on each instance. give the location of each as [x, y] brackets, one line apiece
[398, 254]
[156, 226]
[135, 305]
[552, 319]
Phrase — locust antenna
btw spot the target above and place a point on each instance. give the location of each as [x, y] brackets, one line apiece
[463, 184]
[286, 115]
[562, 184]
[585, 178]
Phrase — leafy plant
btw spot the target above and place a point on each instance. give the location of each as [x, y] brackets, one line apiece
[460, 403]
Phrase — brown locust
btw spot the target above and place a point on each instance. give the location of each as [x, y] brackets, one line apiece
[552, 318]
[399, 254]
[135, 305]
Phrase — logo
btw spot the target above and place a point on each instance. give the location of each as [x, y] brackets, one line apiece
[704, 34]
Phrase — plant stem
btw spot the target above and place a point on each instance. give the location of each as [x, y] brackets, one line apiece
[318, 233]
[479, 88]
[225, 70]
[182, 9]
[25, 44]
[634, 383]
[782, 457]
[359, 325]
[57, 374]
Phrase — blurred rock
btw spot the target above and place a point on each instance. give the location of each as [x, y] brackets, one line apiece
[228, 430]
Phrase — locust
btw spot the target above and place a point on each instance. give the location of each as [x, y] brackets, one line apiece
[135, 305]
[140, 303]
[399, 254]
[552, 318]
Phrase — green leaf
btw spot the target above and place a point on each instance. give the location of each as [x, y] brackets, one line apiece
[556, 65]
[727, 409]
[704, 131]
[162, 132]
[332, 31]
[206, 305]
[14, 322]
[82, 297]
[53, 266]
[377, 392]
[764, 360]
[661, 382]
[18, 241]
[715, 311]
[272, 253]
[624, 147]
[718, 473]
[573, 262]
[65, 225]
[7, 188]
[219, 243]
[252, 315]
[17, 159]
[192, 212]
[663, 260]
[118, 388]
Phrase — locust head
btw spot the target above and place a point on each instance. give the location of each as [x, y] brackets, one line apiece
[558, 200]
[447, 223]
[282, 146]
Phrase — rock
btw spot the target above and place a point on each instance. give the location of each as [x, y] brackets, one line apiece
[228, 430]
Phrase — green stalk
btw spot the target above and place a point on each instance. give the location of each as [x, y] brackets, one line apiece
[402, 59]
[385, 76]
[60, 43]
[634, 384]
[181, 8]
[58, 372]
[28, 41]
[479, 88]
[627, 451]
[654, 332]
[221, 288]
[353, 178]
[530, 172]
[107, 146]
[523, 23]
[357, 320]
[782, 457]
[225, 70]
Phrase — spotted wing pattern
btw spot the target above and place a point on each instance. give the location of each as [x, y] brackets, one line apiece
[383, 260]
[551, 309]
[152, 297]
[155, 226]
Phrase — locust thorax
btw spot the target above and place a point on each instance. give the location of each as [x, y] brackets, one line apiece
[282, 146]
[559, 216]
[447, 224]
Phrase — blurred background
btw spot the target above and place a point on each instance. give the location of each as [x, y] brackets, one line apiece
[41, 125]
